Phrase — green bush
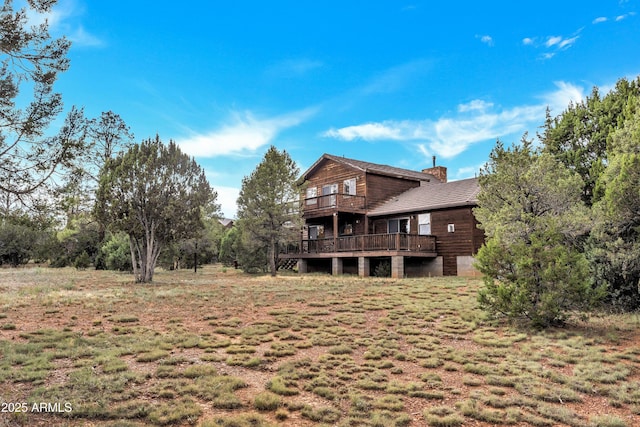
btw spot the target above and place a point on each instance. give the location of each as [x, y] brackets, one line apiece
[17, 243]
[540, 280]
[80, 235]
[116, 253]
[383, 269]
[82, 261]
[267, 401]
[530, 209]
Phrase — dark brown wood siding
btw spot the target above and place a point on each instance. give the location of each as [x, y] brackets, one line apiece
[381, 188]
[331, 172]
[464, 241]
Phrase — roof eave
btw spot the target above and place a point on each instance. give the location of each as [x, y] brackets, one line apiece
[424, 208]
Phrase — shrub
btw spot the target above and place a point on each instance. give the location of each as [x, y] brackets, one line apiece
[267, 401]
[82, 261]
[175, 412]
[530, 209]
[324, 415]
[80, 236]
[442, 416]
[17, 243]
[116, 253]
[282, 387]
[383, 269]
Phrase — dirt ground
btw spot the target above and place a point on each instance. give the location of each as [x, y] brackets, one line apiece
[202, 305]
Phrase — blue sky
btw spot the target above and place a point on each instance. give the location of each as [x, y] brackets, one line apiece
[392, 82]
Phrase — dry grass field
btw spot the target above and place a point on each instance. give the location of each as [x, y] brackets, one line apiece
[220, 348]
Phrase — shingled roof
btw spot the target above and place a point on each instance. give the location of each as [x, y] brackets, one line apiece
[372, 168]
[431, 197]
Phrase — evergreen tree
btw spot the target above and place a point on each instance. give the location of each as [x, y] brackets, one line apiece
[529, 207]
[155, 194]
[30, 60]
[615, 239]
[579, 136]
[268, 206]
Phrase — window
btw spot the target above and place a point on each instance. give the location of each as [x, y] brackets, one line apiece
[316, 232]
[312, 193]
[451, 228]
[398, 225]
[329, 190]
[349, 186]
[424, 224]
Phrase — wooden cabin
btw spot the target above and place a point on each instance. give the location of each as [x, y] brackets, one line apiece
[360, 215]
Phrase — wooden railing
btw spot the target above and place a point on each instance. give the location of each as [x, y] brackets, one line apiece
[369, 242]
[337, 201]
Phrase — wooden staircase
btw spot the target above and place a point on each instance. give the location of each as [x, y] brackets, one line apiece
[288, 264]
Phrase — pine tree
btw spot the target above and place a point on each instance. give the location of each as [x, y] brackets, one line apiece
[614, 247]
[30, 60]
[530, 209]
[268, 206]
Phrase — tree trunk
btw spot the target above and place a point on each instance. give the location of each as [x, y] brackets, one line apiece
[133, 247]
[144, 257]
[273, 255]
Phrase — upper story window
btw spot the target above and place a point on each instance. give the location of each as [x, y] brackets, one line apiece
[328, 193]
[316, 232]
[312, 194]
[349, 186]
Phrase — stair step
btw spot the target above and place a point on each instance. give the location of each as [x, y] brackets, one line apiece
[288, 264]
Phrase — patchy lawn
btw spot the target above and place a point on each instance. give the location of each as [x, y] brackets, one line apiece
[220, 348]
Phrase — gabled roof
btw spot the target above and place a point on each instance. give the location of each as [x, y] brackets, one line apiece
[226, 222]
[431, 197]
[371, 168]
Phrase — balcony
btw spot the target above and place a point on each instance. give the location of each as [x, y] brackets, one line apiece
[337, 202]
[397, 242]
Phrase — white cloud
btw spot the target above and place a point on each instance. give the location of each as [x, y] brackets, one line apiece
[367, 131]
[625, 16]
[63, 20]
[618, 18]
[486, 39]
[452, 136]
[477, 121]
[552, 44]
[552, 40]
[566, 43]
[468, 171]
[560, 42]
[82, 38]
[245, 133]
[227, 198]
[475, 105]
[446, 136]
[565, 93]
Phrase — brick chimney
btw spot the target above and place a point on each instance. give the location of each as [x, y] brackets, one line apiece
[440, 172]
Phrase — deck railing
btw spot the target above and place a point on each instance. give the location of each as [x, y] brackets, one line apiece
[337, 201]
[369, 242]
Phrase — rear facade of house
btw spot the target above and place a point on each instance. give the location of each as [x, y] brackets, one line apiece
[365, 218]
